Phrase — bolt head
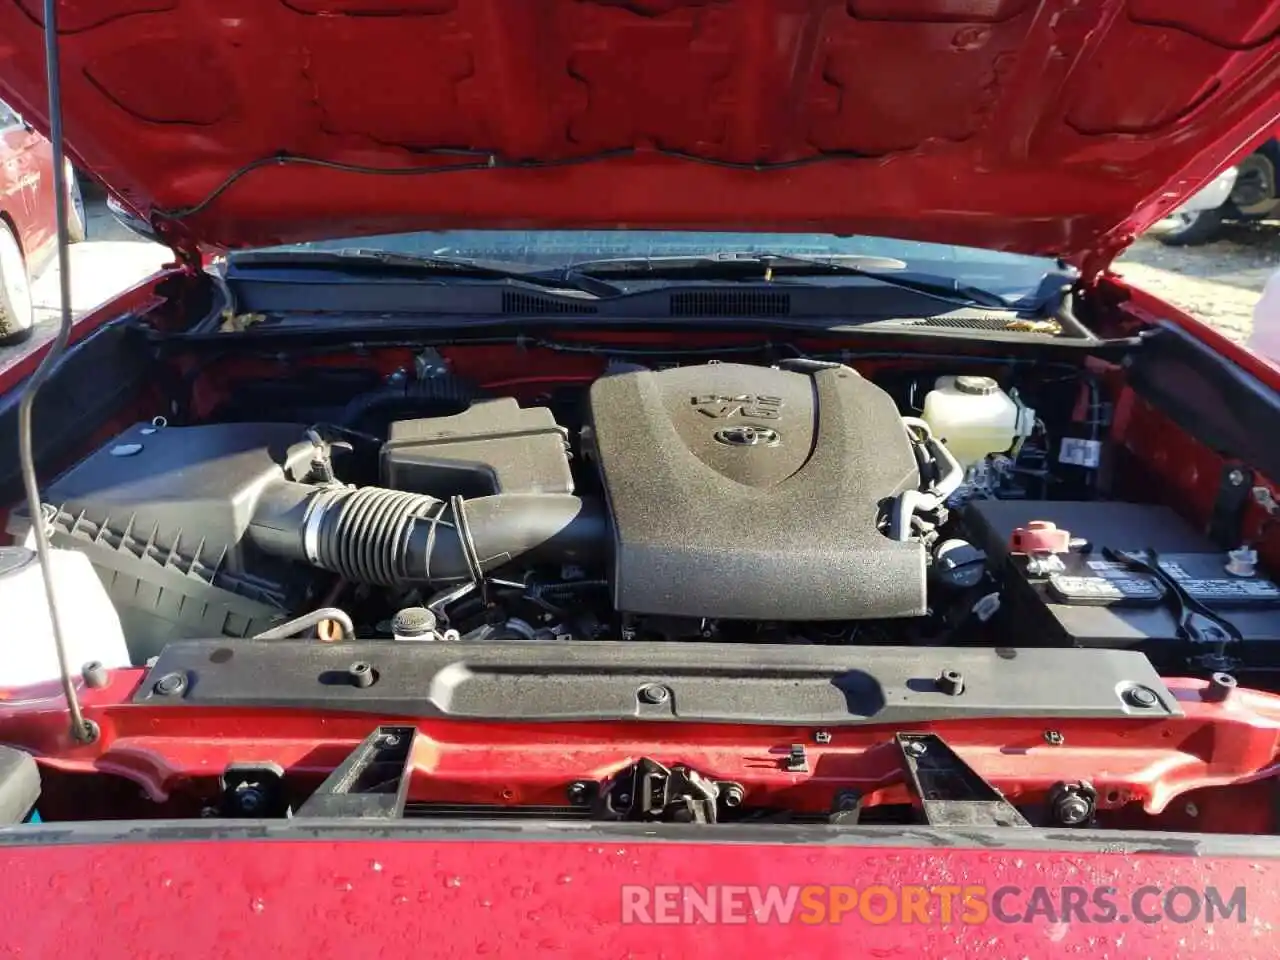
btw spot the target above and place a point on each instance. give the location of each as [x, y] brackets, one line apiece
[1072, 809]
[916, 748]
[248, 798]
[1054, 738]
[1236, 477]
[171, 684]
[822, 736]
[654, 693]
[1140, 697]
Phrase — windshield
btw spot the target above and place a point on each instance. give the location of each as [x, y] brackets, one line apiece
[1010, 275]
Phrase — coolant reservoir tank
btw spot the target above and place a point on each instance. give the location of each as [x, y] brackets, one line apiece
[974, 417]
[90, 626]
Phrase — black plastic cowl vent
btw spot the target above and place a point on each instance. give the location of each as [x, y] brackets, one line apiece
[531, 304]
[730, 303]
[993, 322]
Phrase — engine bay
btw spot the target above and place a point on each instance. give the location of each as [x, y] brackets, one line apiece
[784, 559]
[796, 501]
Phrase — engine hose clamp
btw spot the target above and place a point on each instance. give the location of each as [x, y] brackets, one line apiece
[457, 506]
[312, 524]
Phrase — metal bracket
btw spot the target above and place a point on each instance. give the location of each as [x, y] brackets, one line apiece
[650, 791]
[951, 792]
[1235, 488]
[371, 783]
[796, 760]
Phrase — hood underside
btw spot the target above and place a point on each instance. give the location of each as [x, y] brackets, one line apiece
[1062, 126]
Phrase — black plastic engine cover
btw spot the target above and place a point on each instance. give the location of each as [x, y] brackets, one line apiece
[746, 492]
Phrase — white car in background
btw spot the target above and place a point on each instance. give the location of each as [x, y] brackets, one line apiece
[1199, 219]
[1249, 191]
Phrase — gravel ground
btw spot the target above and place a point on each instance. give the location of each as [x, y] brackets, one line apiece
[1218, 283]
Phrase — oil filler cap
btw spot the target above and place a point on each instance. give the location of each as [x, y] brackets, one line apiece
[976, 386]
[958, 564]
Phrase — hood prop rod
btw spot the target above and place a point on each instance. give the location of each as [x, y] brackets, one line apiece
[83, 730]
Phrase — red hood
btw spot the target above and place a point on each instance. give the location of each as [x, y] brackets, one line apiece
[423, 897]
[1062, 127]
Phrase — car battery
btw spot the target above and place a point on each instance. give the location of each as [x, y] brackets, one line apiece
[1091, 598]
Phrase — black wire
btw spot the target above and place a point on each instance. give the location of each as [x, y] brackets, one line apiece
[81, 730]
[490, 160]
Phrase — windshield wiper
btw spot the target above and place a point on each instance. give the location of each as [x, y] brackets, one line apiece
[356, 258]
[585, 277]
[765, 266]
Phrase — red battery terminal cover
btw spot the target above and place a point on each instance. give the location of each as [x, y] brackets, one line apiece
[1040, 537]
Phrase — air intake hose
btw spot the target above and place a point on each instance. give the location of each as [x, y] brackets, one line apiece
[410, 395]
[389, 537]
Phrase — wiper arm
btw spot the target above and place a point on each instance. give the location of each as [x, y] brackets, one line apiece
[766, 266]
[363, 259]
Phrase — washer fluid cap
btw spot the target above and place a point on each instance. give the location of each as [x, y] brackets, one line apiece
[976, 386]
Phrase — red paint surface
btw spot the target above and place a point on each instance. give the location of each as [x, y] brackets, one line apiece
[409, 898]
[1147, 309]
[1036, 126]
[136, 300]
[1215, 752]
[1161, 459]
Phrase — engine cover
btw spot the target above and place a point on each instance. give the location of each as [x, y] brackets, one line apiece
[746, 492]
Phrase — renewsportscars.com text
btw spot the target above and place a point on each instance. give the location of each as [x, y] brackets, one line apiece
[928, 904]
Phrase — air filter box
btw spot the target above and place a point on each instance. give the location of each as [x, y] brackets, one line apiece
[162, 515]
[495, 446]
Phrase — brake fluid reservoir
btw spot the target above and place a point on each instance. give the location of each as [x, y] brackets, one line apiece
[90, 625]
[974, 417]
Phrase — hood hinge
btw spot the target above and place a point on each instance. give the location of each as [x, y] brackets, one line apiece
[1099, 259]
[186, 251]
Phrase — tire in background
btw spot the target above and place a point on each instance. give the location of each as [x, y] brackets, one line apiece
[77, 224]
[1192, 229]
[1256, 189]
[15, 291]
